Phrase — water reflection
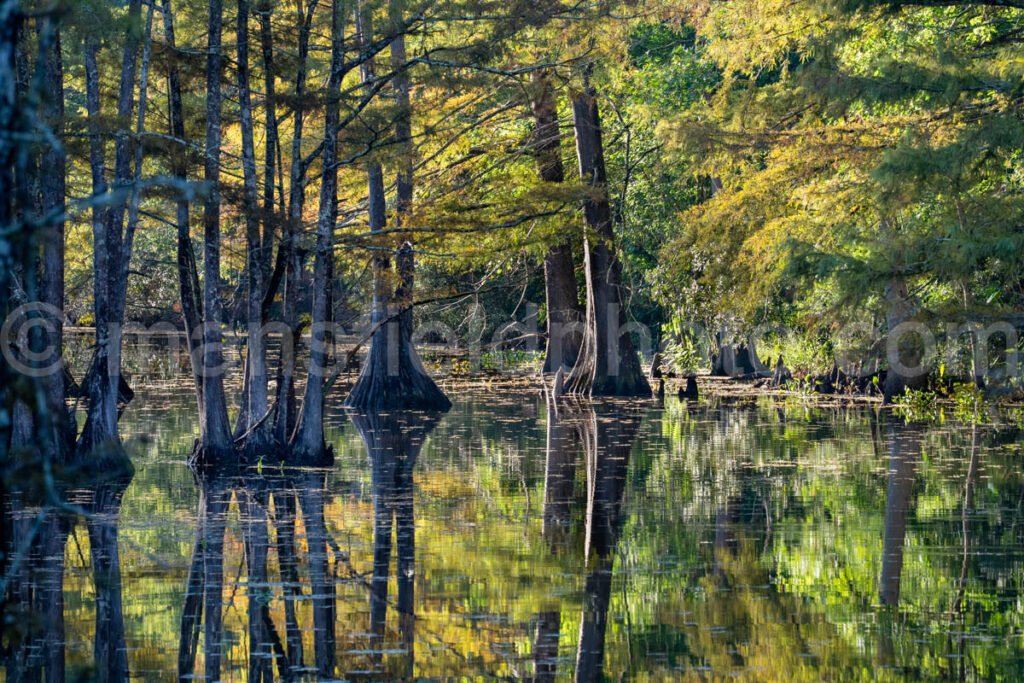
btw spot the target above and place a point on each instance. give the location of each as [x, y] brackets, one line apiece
[33, 605]
[393, 443]
[266, 503]
[904, 454]
[600, 437]
[34, 568]
[583, 541]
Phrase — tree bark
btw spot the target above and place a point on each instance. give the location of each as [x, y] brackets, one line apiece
[112, 251]
[393, 377]
[9, 29]
[900, 309]
[188, 272]
[216, 437]
[285, 417]
[565, 315]
[265, 11]
[255, 398]
[101, 419]
[53, 188]
[608, 364]
[405, 259]
[309, 446]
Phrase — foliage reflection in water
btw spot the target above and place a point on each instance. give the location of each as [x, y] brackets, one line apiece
[513, 538]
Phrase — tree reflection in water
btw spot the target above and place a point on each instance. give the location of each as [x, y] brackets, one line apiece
[266, 503]
[33, 608]
[604, 433]
[740, 543]
[904, 454]
[393, 443]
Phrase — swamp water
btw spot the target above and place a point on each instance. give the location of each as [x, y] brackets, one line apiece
[719, 540]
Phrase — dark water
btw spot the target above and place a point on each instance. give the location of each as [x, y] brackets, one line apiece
[755, 541]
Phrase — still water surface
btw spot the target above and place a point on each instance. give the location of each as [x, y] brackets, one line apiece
[718, 540]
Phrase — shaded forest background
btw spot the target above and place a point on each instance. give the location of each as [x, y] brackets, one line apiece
[742, 165]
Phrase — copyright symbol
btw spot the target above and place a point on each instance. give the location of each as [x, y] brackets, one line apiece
[28, 340]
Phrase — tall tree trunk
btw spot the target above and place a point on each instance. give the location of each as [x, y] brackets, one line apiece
[265, 11]
[110, 246]
[565, 315]
[255, 397]
[9, 29]
[405, 259]
[124, 173]
[124, 258]
[188, 272]
[102, 412]
[393, 377]
[308, 446]
[285, 400]
[907, 351]
[25, 286]
[53, 187]
[608, 364]
[216, 437]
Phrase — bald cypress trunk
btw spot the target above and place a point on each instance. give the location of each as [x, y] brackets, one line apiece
[565, 315]
[291, 260]
[393, 376]
[53, 190]
[907, 351]
[308, 446]
[270, 154]
[404, 181]
[608, 364]
[215, 443]
[188, 274]
[9, 27]
[254, 403]
[101, 420]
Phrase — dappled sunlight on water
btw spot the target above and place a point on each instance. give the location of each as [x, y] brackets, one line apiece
[510, 539]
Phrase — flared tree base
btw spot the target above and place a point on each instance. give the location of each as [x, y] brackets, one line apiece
[405, 387]
[205, 456]
[298, 456]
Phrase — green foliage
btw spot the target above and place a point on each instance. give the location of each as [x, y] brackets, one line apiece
[854, 142]
[968, 403]
[919, 405]
[684, 353]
